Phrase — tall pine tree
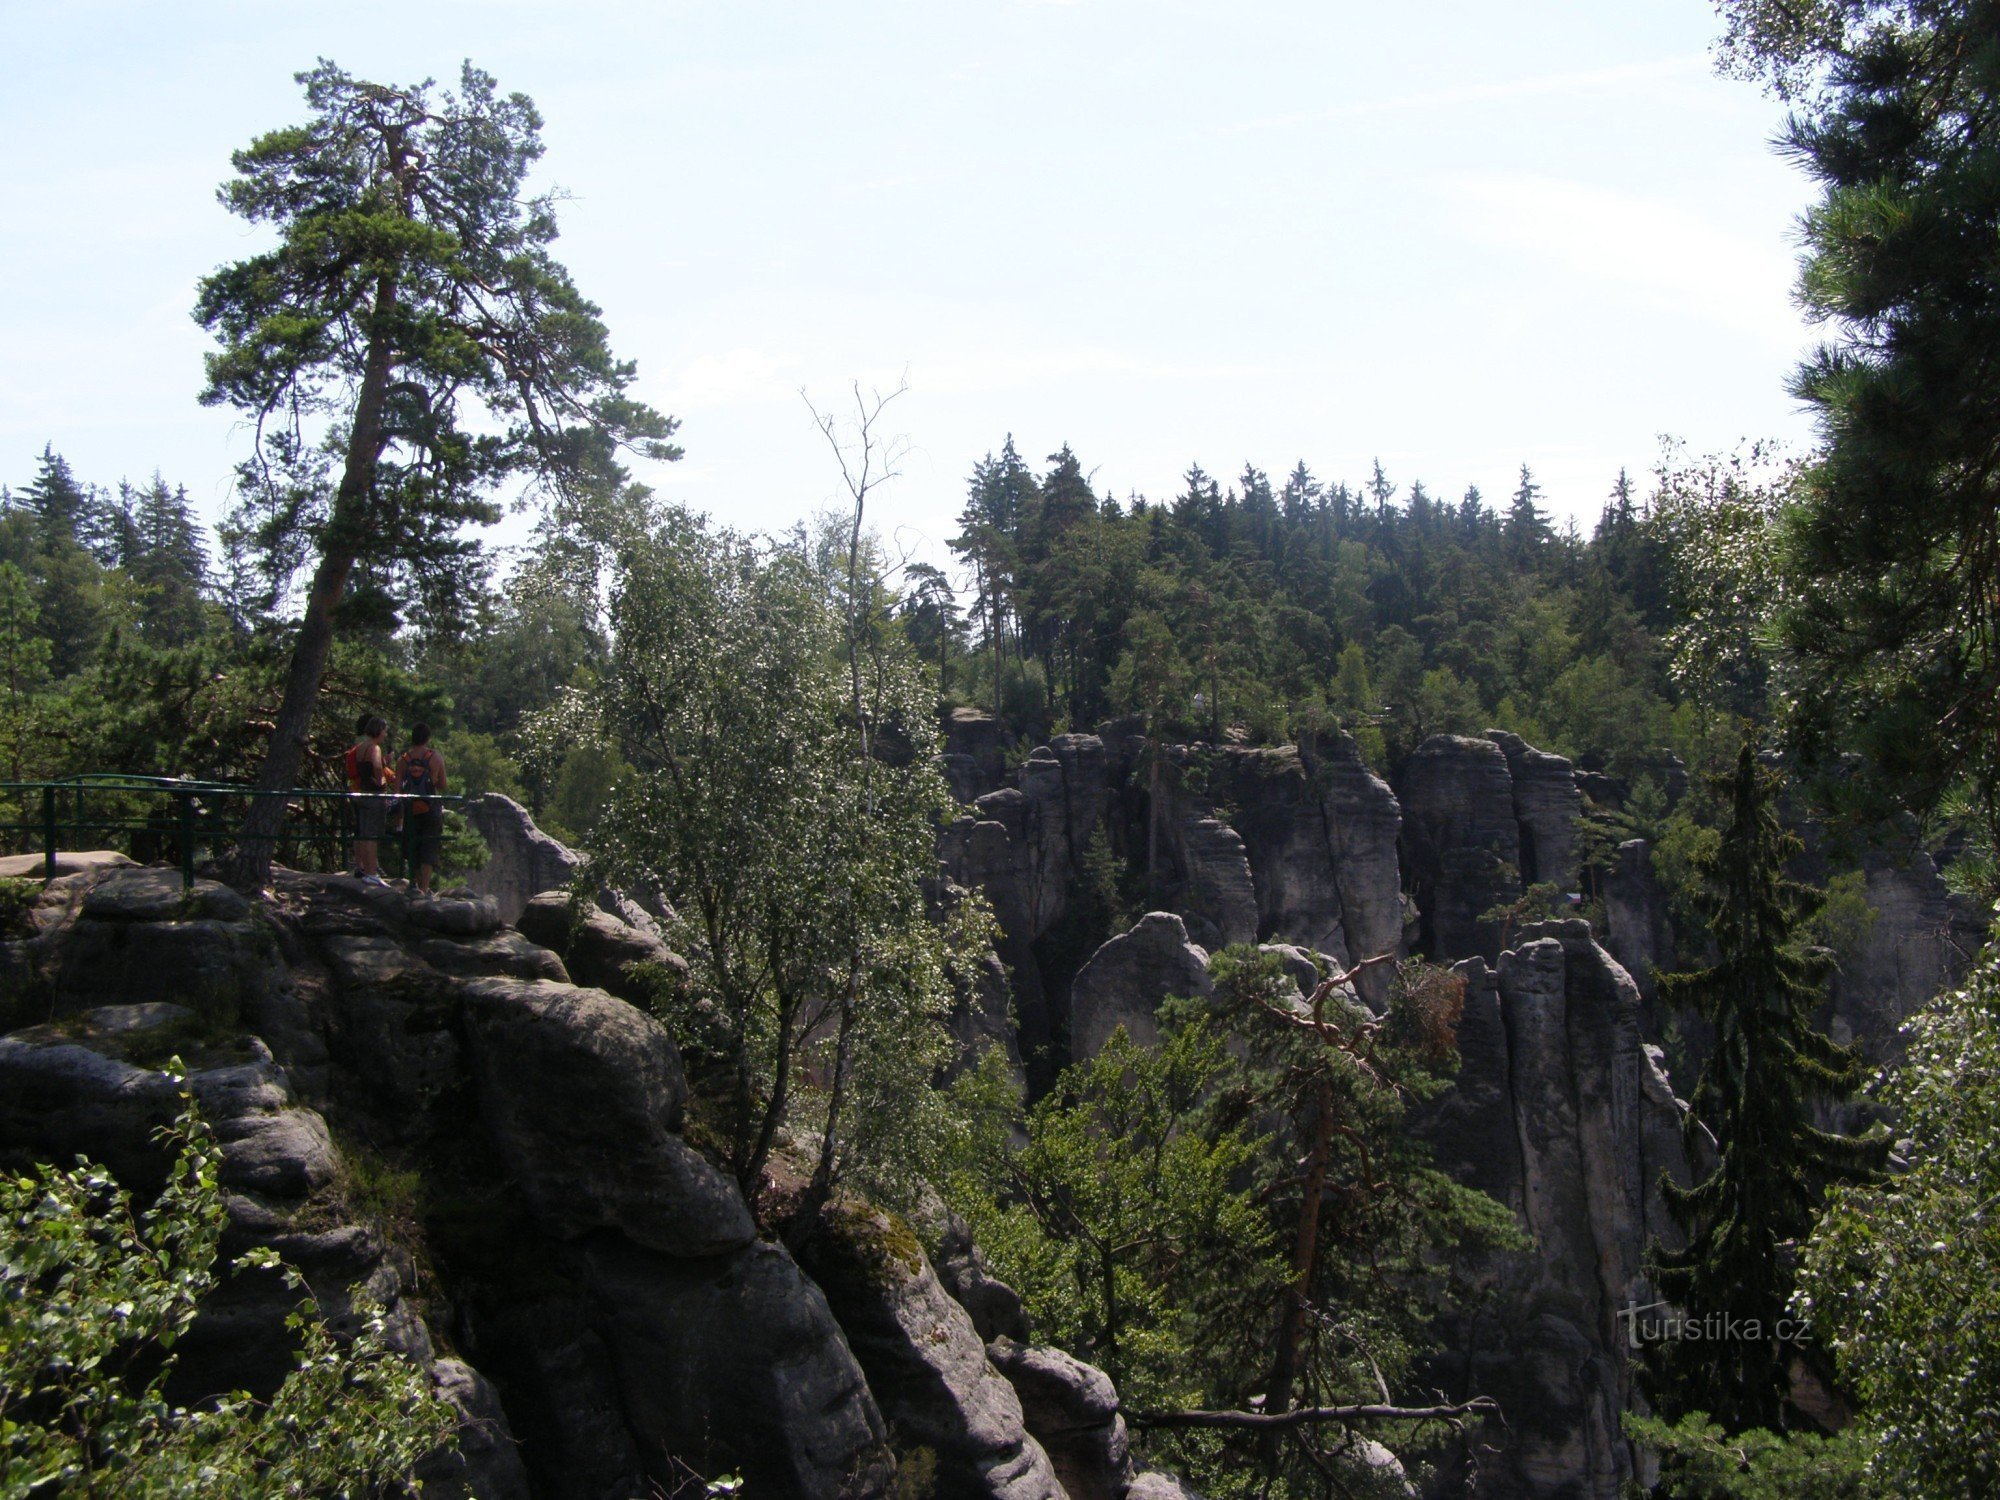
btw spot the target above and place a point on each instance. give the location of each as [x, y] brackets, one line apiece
[1756, 1095]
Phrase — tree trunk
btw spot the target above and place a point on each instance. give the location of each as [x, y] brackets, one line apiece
[264, 824]
[1305, 1255]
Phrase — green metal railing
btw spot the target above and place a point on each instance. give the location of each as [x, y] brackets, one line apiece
[188, 814]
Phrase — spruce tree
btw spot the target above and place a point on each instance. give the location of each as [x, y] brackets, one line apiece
[1756, 1095]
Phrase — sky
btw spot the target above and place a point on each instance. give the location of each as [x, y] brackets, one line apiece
[1454, 237]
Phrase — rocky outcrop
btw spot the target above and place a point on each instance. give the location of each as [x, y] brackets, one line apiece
[1461, 843]
[1320, 831]
[1563, 1114]
[1917, 944]
[600, 948]
[1127, 978]
[1637, 928]
[1218, 898]
[975, 754]
[925, 1361]
[604, 1294]
[1072, 1409]
[1547, 805]
[1023, 847]
[521, 860]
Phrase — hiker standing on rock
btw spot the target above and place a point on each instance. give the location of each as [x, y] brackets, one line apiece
[367, 772]
[420, 779]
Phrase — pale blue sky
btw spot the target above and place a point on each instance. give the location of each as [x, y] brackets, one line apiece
[1456, 236]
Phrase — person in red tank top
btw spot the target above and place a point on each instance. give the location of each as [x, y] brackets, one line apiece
[367, 771]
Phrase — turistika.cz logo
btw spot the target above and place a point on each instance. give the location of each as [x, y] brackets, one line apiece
[1668, 1323]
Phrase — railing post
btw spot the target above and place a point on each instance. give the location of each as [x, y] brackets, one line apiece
[186, 800]
[49, 831]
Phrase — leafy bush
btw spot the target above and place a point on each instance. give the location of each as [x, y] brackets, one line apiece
[1899, 1279]
[93, 1299]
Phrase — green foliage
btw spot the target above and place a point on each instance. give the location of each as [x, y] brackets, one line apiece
[794, 843]
[1844, 917]
[1899, 1277]
[410, 302]
[1699, 1461]
[1123, 1218]
[1895, 549]
[1158, 1211]
[1263, 613]
[1542, 902]
[93, 1298]
[1767, 1070]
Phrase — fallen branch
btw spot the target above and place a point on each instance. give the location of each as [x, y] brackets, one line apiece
[1303, 1415]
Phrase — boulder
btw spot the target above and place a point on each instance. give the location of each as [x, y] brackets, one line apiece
[582, 1096]
[1128, 977]
[457, 916]
[504, 954]
[139, 894]
[1071, 1408]
[1154, 1485]
[486, 1463]
[598, 948]
[68, 862]
[925, 1362]
[995, 1308]
[1218, 897]
[521, 860]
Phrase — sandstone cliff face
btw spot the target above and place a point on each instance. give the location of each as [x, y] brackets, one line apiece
[1307, 851]
[1461, 843]
[1564, 1115]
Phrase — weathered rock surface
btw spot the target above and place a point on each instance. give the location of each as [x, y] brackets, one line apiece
[1218, 897]
[1320, 830]
[734, 1361]
[1563, 1114]
[1461, 842]
[35, 866]
[994, 1307]
[582, 1096]
[925, 1362]
[606, 1297]
[1072, 1410]
[1127, 978]
[1547, 805]
[522, 861]
[1637, 928]
[600, 948]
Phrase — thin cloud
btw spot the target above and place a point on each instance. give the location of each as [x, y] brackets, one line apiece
[1502, 91]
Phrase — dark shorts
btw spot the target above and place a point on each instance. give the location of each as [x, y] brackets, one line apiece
[371, 817]
[427, 828]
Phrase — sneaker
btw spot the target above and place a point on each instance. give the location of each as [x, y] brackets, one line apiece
[374, 877]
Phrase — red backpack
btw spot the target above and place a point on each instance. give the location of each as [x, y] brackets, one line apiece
[361, 775]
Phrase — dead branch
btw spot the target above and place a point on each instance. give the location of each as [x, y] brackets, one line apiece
[1478, 1406]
